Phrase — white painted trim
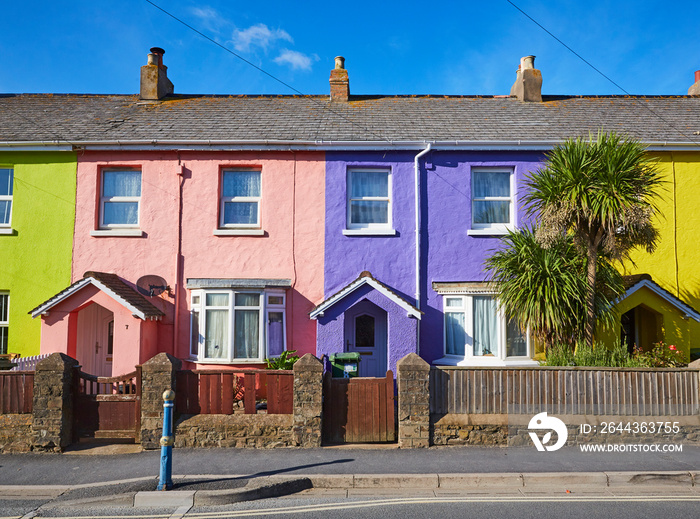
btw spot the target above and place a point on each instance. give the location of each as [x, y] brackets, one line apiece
[100, 233]
[239, 232]
[452, 360]
[489, 232]
[369, 232]
[412, 312]
[6, 230]
[645, 283]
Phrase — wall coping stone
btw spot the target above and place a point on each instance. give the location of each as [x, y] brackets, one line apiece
[412, 362]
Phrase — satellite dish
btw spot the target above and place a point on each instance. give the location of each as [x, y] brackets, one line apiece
[152, 285]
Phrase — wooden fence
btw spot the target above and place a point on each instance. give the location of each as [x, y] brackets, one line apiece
[219, 391]
[579, 390]
[16, 392]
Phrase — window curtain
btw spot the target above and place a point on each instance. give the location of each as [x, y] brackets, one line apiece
[241, 183]
[247, 334]
[121, 184]
[454, 333]
[216, 340]
[369, 184]
[241, 213]
[275, 333]
[485, 326]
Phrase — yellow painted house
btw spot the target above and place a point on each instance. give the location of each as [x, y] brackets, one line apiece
[665, 306]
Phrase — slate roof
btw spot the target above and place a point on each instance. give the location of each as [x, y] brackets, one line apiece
[115, 286]
[110, 118]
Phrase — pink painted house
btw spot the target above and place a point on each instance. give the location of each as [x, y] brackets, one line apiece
[189, 238]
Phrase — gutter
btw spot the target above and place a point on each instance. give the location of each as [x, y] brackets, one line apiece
[300, 145]
[416, 188]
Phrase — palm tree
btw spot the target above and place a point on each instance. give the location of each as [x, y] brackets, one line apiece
[544, 289]
[602, 193]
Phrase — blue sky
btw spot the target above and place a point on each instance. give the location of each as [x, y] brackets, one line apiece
[408, 47]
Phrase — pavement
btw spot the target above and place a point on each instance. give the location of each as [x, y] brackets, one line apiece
[123, 475]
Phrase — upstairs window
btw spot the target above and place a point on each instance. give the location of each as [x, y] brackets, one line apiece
[120, 198]
[492, 200]
[369, 199]
[6, 181]
[240, 199]
[4, 320]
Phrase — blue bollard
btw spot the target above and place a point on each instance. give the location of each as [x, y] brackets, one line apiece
[166, 442]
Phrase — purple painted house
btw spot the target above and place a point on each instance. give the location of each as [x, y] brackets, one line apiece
[389, 293]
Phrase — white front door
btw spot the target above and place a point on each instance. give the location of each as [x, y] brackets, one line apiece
[366, 333]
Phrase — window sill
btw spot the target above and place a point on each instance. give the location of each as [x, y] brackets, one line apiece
[488, 232]
[226, 362]
[7, 230]
[239, 232]
[369, 232]
[117, 232]
[476, 362]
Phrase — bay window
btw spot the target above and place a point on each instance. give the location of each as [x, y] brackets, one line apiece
[236, 326]
[477, 332]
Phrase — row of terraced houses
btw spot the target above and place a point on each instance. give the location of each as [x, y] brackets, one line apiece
[226, 229]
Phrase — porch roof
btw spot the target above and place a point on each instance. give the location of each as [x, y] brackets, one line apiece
[113, 286]
[645, 281]
[365, 278]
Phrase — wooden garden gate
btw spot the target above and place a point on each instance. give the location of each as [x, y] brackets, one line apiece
[358, 410]
[107, 407]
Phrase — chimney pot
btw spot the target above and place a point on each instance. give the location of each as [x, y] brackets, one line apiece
[528, 81]
[155, 84]
[694, 89]
[340, 83]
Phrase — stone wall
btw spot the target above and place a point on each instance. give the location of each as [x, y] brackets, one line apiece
[261, 431]
[15, 433]
[308, 401]
[52, 423]
[413, 378]
[157, 375]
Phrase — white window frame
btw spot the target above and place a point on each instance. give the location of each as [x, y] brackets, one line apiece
[469, 359]
[5, 322]
[494, 228]
[369, 228]
[236, 199]
[198, 310]
[106, 199]
[6, 226]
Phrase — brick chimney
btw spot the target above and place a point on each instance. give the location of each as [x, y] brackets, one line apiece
[340, 84]
[528, 81]
[155, 84]
[694, 90]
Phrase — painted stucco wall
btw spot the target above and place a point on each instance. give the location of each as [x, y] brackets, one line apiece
[678, 221]
[35, 260]
[292, 218]
[448, 253]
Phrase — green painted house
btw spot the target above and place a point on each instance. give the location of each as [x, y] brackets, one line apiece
[37, 215]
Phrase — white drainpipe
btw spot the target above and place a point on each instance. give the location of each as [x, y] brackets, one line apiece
[418, 222]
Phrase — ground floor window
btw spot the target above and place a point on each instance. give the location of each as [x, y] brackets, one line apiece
[476, 330]
[4, 320]
[237, 326]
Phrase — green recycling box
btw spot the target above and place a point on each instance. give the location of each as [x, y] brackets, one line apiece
[345, 365]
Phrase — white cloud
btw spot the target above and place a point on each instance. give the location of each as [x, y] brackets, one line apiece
[258, 35]
[295, 59]
[209, 17]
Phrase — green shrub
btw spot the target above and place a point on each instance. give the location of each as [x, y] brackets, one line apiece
[660, 356]
[285, 361]
[598, 356]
